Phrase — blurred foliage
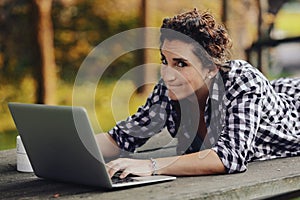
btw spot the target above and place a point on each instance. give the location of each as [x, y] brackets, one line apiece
[81, 25]
[15, 39]
[78, 27]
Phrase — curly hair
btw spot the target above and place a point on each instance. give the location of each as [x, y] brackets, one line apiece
[202, 28]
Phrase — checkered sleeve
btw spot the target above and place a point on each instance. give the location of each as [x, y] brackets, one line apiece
[242, 108]
[146, 122]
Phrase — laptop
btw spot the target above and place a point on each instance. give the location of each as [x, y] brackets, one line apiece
[61, 146]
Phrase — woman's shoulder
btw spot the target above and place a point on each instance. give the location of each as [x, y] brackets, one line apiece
[243, 75]
[241, 69]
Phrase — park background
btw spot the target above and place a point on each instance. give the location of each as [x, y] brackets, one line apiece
[44, 42]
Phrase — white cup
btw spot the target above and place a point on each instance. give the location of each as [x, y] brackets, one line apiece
[23, 163]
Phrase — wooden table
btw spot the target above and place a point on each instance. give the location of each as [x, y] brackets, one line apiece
[262, 180]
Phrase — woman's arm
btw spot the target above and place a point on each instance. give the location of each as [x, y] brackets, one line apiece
[200, 163]
[107, 144]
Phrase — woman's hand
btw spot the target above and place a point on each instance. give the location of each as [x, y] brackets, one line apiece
[130, 166]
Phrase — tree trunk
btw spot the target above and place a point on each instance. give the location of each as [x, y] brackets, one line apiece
[149, 73]
[224, 12]
[46, 68]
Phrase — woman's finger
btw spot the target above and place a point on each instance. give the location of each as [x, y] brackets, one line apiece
[114, 167]
[125, 173]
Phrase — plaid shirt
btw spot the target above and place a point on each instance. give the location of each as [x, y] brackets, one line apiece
[247, 118]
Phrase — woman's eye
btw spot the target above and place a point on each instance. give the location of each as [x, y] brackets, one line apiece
[178, 64]
[181, 64]
[164, 61]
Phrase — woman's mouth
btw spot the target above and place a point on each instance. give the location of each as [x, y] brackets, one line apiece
[174, 86]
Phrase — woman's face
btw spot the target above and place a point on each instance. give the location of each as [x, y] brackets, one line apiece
[181, 70]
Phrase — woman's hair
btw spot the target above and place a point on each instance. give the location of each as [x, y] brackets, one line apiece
[202, 28]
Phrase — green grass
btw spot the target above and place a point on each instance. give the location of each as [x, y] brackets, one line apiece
[124, 102]
[8, 139]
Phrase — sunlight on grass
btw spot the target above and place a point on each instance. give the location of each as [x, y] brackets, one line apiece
[8, 139]
[14, 93]
[288, 22]
[113, 102]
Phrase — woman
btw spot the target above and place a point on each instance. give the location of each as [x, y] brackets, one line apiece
[224, 113]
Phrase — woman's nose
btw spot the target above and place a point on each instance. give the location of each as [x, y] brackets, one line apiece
[169, 74]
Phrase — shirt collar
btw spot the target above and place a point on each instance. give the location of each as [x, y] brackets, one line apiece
[216, 90]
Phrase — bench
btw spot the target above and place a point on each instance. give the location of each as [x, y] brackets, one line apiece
[265, 179]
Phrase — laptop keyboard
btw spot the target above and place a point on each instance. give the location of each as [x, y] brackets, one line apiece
[116, 178]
